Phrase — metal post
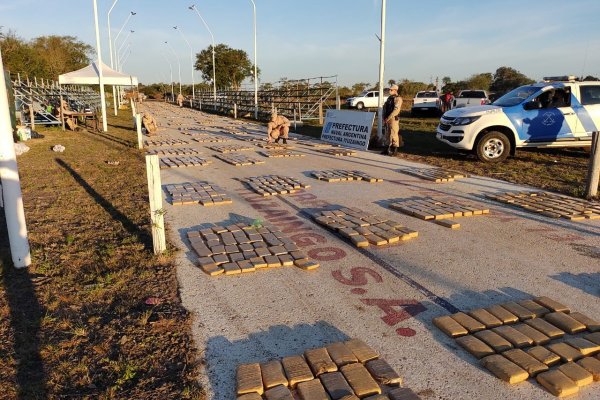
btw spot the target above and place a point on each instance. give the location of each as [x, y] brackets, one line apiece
[381, 71]
[593, 174]
[11, 184]
[191, 61]
[255, 66]
[138, 127]
[110, 49]
[171, 70]
[100, 73]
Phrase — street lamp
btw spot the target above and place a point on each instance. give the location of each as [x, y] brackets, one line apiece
[171, 70]
[193, 7]
[381, 70]
[178, 63]
[110, 49]
[255, 74]
[191, 60]
[120, 63]
[131, 14]
[128, 51]
[121, 47]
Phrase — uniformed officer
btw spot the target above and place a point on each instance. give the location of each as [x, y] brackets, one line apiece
[180, 100]
[149, 123]
[278, 128]
[391, 119]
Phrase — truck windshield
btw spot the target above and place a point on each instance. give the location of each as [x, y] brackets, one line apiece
[426, 94]
[516, 96]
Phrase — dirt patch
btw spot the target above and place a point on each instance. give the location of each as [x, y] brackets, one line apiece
[96, 315]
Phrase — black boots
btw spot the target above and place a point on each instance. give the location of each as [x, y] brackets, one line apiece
[284, 141]
[392, 151]
[277, 140]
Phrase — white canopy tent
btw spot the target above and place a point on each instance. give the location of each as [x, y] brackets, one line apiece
[92, 75]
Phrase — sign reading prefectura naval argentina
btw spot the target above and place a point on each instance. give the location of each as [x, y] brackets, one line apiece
[348, 128]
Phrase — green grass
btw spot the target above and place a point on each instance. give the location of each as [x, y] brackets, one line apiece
[70, 324]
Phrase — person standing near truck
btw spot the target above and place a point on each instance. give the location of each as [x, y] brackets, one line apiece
[391, 119]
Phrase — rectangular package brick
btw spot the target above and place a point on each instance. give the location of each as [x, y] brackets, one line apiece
[538, 309]
[544, 355]
[584, 346]
[360, 380]
[577, 374]
[591, 365]
[341, 354]
[361, 350]
[495, 341]
[250, 396]
[383, 373]
[593, 337]
[565, 322]
[546, 328]
[552, 304]
[515, 337]
[312, 390]
[502, 314]
[279, 393]
[521, 312]
[525, 361]
[231, 268]
[483, 316]
[449, 326]
[336, 385]
[249, 379]
[319, 361]
[557, 383]
[296, 369]
[535, 335]
[474, 346]
[565, 352]
[590, 324]
[504, 369]
[272, 374]
[470, 323]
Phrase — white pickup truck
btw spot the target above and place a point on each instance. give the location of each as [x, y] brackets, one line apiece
[468, 98]
[559, 112]
[426, 101]
[367, 99]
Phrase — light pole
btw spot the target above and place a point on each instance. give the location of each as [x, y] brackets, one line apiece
[191, 60]
[381, 70]
[110, 49]
[178, 63]
[171, 70]
[255, 74]
[120, 64]
[128, 51]
[193, 7]
[131, 14]
[121, 46]
[100, 73]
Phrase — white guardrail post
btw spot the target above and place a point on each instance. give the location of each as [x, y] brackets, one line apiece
[156, 211]
[11, 185]
[138, 127]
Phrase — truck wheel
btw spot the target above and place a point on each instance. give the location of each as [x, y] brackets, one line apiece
[360, 105]
[493, 147]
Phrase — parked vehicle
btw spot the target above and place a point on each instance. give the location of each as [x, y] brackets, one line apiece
[553, 113]
[426, 101]
[367, 99]
[468, 98]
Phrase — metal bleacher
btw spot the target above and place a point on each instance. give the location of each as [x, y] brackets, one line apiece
[43, 97]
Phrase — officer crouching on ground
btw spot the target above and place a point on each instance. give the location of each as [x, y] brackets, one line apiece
[391, 119]
[278, 128]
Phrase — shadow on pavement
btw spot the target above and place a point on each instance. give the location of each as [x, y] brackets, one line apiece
[587, 282]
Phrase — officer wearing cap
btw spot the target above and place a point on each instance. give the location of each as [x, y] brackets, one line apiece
[391, 119]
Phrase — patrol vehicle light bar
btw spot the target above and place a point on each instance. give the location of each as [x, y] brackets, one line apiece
[564, 78]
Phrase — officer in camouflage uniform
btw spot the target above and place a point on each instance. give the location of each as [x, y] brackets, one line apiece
[391, 119]
[278, 128]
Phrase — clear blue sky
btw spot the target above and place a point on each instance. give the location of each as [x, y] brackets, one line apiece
[307, 38]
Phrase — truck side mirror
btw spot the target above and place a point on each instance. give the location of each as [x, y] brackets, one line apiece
[533, 105]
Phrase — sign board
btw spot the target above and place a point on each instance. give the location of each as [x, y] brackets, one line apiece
[348, 128]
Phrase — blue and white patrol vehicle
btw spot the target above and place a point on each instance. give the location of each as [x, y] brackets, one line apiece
[558, 112]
